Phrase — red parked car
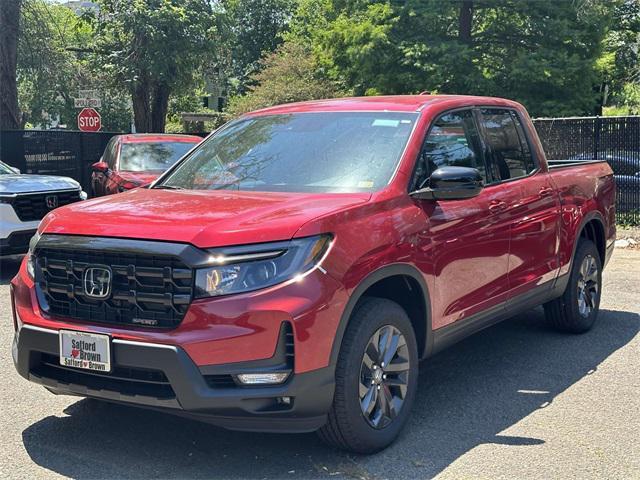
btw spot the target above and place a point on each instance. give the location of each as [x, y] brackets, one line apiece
[291, 271]
[130, 161]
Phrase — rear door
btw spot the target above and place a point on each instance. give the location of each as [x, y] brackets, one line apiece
[532, 205]
[468, 239]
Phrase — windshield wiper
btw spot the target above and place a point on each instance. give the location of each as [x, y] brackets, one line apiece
[167, 187]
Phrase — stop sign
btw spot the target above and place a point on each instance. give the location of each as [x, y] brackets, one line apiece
[89, 120]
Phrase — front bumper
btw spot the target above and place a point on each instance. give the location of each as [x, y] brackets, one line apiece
[164, 377]
[14, 233]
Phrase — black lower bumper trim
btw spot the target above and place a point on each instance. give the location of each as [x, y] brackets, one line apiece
[17, 243]
[298, 405]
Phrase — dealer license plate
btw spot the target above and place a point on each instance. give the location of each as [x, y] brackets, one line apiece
[90, 351]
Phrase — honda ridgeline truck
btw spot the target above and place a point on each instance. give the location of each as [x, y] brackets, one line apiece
[290, 272]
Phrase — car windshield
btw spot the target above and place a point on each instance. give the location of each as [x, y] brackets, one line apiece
[301, 152]
[156, 156]
[5, 170]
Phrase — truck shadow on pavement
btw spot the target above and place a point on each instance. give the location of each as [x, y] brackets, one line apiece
[468, 395]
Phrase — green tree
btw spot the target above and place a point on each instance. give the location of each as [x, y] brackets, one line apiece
[541, 53]
[619, 63]
[251, 29]
[153, 49]
[290, 74]
[52, 68]
[9, 34]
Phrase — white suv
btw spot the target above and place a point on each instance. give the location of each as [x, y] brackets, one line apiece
[25, 200]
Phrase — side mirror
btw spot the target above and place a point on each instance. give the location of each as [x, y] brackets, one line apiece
[451, 183]
[101, 167]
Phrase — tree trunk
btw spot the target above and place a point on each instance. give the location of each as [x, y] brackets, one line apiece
[160, 107]
[9, 32]
[141, 106]
[465, 22]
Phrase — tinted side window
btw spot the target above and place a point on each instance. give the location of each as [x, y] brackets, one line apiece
[453, 140]
[509, 153]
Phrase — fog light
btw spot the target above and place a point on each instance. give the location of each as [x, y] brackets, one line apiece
[262, 378]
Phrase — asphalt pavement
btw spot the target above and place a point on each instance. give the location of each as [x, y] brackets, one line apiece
[515, 401]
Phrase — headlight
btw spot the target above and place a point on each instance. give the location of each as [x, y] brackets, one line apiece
[259, 267]
[31, 267]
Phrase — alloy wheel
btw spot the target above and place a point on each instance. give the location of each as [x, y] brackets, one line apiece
[587, 286]
[384, 376]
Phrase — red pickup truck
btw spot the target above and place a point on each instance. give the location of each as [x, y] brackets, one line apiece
[291, 271]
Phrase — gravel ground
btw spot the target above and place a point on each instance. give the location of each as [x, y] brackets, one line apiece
[514, 401]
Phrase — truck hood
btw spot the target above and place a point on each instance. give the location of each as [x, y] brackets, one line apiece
[203, 218]
[35, 183]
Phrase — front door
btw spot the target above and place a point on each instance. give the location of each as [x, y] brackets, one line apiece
[467, 240]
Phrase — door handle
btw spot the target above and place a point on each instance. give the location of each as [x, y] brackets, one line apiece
[545, 192]
[496, 206]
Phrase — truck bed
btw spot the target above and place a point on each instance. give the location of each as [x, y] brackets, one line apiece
[554, 164]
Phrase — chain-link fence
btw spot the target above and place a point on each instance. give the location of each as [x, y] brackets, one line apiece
[615, 139]
[54, 152]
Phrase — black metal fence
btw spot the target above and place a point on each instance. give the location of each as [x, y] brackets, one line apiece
[54, 152]
[615, 139]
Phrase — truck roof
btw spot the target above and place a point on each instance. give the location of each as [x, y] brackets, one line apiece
[392, 103]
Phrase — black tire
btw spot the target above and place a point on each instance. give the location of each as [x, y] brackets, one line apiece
[347, 427]
[566, 313]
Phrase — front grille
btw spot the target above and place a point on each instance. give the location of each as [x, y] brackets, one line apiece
[33, 206]
[123, 380]
[146, 290]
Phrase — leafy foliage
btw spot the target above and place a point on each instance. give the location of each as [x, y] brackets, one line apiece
[51, 70]
[160, 57]
[619, 64]
[541, 53]
[251, 29]
[290, 74]
[152, 49]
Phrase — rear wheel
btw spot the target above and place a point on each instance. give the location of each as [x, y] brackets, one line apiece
[577, 309]
[376, 378]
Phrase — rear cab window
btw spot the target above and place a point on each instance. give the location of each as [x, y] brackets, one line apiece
[509, 155]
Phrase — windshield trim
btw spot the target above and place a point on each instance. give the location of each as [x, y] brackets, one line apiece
[251, 115]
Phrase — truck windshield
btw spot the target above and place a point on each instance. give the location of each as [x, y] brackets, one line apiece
[301, 152]
[148, 157]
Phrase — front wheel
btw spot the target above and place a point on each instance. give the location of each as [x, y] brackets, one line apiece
[376, 378]
[577, 309]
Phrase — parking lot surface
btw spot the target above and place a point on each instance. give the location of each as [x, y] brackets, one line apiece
[515, 401]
